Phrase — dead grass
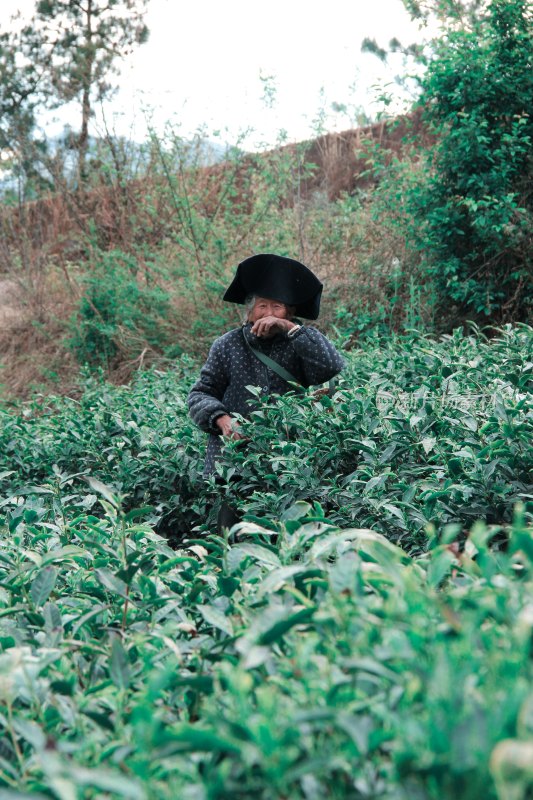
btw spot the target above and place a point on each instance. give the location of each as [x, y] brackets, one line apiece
[33, 353]
[38, 362]
[42, 244]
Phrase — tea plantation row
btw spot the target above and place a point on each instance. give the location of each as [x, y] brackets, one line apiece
[305, 655]
[419, 433]
[313, 663]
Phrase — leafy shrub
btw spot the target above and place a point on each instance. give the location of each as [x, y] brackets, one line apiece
[418, 434]
[120, 312]
[137, 438]
[474, 210]
[302, 655]
[299, 661]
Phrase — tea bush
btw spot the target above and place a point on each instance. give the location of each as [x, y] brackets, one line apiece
[137, 438]
[419, 433]
[297, 661]
[301, 655]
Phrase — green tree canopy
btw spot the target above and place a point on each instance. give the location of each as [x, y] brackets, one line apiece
[475, 212]
[68, 52]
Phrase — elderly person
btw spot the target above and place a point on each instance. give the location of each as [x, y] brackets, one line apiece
[271, 350]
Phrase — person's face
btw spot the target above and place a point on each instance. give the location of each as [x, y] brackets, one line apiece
[263, 307]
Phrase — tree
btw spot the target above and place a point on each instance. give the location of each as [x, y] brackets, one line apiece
[469, 213]
[475, 210]
[17, 87]
[77, 44]
[18, 97]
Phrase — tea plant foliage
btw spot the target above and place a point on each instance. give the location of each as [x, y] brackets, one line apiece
[416, 435]
[365, 632]
[419, 433]
[299, 660]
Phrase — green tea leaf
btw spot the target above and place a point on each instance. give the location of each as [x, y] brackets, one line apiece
[111, 582]
[259, 553]
[191, 738]
[280, 628]
[52, 618]
[440, 565]
[216, 618]
[119, 665]
[42, 585]
[101, 489]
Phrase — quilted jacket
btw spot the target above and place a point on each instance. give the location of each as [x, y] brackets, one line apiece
[231, 366]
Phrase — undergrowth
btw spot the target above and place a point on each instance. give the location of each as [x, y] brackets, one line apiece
[304, 654]
[419, 433]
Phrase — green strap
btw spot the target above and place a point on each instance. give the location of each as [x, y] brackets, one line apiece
[281, 371]
[273, 365]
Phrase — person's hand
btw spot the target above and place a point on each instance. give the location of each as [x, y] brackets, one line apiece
[267, 327]
[227, 427]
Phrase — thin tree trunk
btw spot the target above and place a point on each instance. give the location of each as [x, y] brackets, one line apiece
[83, 141]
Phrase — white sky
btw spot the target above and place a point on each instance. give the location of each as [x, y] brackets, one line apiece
[203, 63]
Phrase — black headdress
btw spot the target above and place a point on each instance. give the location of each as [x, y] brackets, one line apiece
[277, 278]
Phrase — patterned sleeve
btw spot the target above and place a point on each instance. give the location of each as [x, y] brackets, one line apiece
[319, 358]
[205, 397]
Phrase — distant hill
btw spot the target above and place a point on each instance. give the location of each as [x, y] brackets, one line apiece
[339, 163]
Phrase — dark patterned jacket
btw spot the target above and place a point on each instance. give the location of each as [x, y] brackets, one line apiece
[231, 366]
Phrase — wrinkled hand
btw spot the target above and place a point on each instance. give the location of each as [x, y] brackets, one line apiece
[269, 326]
[228, 427]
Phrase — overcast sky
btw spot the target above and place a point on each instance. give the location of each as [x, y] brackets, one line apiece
[209, 63]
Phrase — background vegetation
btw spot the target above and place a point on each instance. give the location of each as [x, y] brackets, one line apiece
[366, 631]
[420, 222]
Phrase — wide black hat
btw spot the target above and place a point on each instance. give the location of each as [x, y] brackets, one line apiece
[277, 278]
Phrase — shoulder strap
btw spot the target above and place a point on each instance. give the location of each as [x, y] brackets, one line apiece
[273, 365]
[284, 373]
